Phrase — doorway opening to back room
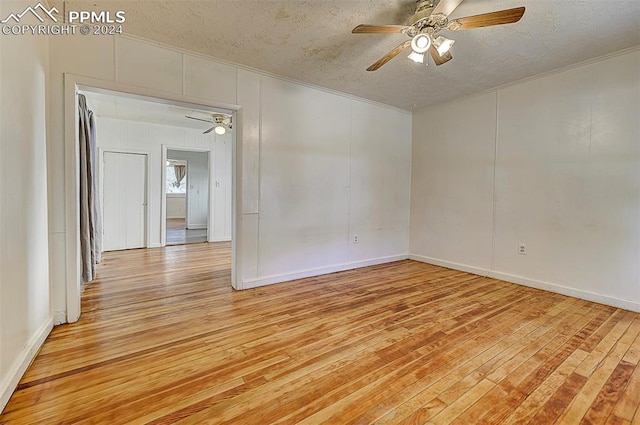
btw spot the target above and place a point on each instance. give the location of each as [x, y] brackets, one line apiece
[186, 196]
[165, 171]
[143, 122]
[163, 183]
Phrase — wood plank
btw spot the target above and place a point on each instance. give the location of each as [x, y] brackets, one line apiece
[629, 402]
[586, 397]
[461, 404]
[558, 402]
[602, 349]
[609, 394]
[541, 395]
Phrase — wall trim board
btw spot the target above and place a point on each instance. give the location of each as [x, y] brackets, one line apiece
[260, 72]
[59, 318]
[450, 265]
[270, 280]
[174, 216]
[545, 286]
[568, 291]
[23, 361]
[196, 226]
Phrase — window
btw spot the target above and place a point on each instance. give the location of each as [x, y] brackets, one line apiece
[172, 184]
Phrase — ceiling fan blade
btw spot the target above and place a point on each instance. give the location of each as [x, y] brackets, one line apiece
[501, 17]
[392, 54]
[437, 59]
[445, 7]
[209, 130]
[378, 29]
[197, 119]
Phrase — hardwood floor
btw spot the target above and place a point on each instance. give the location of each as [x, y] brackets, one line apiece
[163, 339]
[178, 234]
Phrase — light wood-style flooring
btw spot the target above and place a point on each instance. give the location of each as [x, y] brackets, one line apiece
[163, 339]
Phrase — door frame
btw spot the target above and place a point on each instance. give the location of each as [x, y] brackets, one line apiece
[72, 84]
[147, 210]
[163, 198]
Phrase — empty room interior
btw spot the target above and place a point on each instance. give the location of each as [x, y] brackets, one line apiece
[320, 212]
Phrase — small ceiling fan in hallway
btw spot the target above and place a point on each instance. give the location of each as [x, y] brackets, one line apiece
[221, 123]
[424, 26]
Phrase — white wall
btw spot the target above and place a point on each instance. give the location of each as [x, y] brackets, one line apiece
[198, 188]
[331, 168]
[129, 136]
[25, 311]
[553, 163]
[337, 172]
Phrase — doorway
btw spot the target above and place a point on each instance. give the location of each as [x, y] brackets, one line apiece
[153, 100]
[124, 189]
[187, 197]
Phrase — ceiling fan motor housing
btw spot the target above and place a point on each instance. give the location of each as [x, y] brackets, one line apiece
[423, 10]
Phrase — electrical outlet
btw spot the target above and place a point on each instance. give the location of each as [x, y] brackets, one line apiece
[522, 249]
[355, 238]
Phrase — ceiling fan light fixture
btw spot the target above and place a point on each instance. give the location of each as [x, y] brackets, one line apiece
[443, 44]
[420, 43]
[220, 130]
[416, 57]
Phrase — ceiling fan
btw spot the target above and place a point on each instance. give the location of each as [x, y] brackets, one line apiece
[220, 123]
[431, 17]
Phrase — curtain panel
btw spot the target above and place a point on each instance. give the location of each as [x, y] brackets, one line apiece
[180, 171]
[90, 218]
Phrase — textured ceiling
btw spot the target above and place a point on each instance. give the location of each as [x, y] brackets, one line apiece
[311, 41]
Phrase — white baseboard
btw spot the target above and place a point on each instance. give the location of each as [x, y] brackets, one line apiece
[450, 265]
[545, 286]
[571, 292]
[270, 280]
[155, 245]
[196, 226]
[59, 317]
[23, 361]
[220, 240]
[176, 216]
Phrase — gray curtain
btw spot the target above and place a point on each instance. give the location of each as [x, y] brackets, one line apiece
[96, 210]
[90, 220]
[180, 171]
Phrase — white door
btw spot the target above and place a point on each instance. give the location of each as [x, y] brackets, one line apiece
[124, 200]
